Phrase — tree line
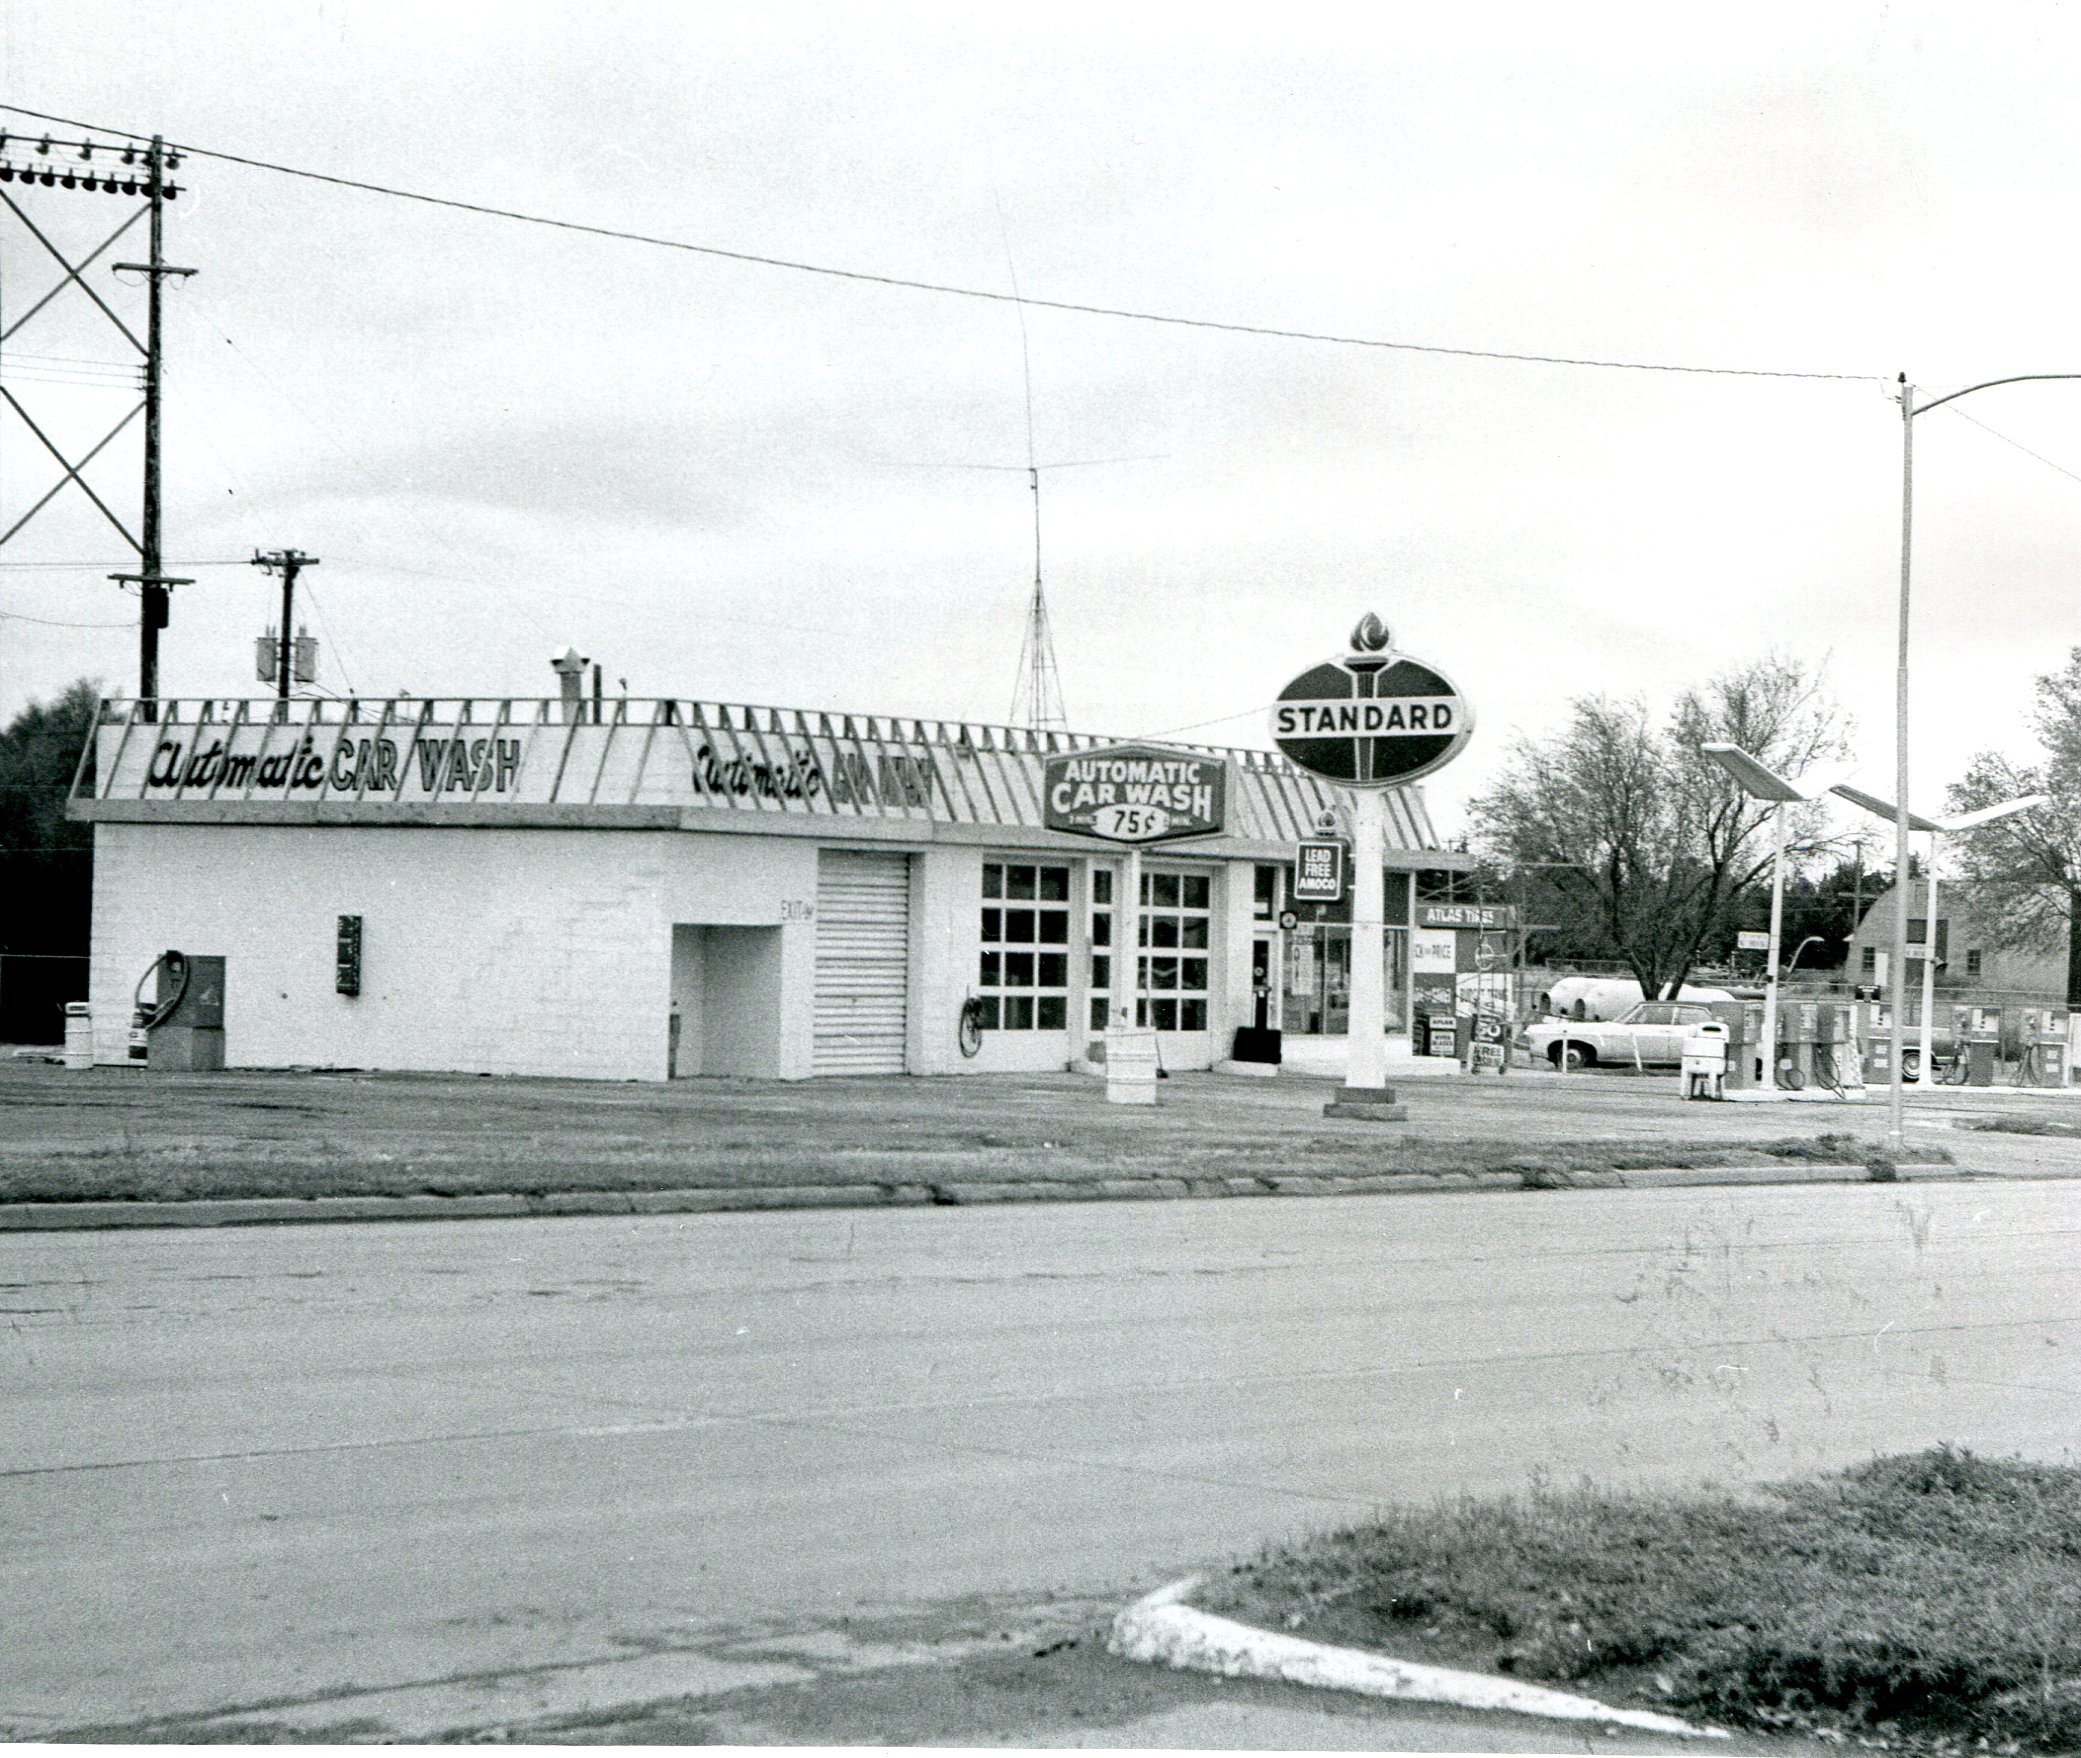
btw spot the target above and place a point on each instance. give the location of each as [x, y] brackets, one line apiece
[1623, 841]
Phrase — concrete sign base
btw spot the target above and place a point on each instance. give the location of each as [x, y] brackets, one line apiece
[1366, 1105]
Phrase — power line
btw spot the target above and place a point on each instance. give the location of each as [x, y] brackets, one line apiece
[950, 290]
[235, 562]
[1218, 720]
[15, 616]
[339, 653]
[2018, 444]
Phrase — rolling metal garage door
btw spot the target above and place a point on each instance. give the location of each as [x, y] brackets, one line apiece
[863, 962]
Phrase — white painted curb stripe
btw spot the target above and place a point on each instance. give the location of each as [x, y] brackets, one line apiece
[1162, 1629]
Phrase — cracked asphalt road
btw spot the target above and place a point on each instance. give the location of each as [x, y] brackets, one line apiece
[418, 1480]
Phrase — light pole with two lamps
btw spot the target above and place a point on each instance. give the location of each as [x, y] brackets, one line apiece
[1897, 978]
[1760, 782]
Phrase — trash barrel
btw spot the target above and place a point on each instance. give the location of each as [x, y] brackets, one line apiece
[1130, 1065]
[1705, 1060]
[79, 1035]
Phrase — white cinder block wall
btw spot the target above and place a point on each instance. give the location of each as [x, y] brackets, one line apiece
[1231, 1002]
[946, 889]
[542, 952]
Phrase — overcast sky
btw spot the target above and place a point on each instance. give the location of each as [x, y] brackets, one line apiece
[741, 482]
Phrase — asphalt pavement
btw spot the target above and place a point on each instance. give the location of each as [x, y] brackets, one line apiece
[404, 1479]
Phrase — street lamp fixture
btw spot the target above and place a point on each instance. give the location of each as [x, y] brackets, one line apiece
[1761, 782]
[1936, 829]
[1792, 963]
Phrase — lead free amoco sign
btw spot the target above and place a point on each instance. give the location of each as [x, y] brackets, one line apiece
[1372, 718]
[1318, 871]
[1135, 794]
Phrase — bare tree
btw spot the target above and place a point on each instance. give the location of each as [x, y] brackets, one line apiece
[2025, 871]
[1643, 841]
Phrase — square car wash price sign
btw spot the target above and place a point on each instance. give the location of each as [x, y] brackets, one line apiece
[1318, 871]
[1135, 794]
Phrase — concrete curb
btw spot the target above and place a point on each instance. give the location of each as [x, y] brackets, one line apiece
[1162, 1630]
[33, 1217]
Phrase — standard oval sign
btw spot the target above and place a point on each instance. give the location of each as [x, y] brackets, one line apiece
[1373, 718]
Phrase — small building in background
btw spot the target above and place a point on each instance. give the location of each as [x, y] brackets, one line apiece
[1969, 962]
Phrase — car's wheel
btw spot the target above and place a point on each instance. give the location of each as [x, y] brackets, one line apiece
[1570, 1058]
[1911, 1065]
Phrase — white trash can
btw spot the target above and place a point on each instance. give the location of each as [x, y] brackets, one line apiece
[1130, 1065]
[1705, 1061]
[79, 1035]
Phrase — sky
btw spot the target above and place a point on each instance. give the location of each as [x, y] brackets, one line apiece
[740, 482]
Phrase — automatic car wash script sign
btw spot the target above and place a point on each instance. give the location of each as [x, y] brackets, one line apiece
[1135, 794]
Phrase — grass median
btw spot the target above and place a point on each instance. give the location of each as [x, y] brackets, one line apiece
[1930, 1600]
[114, 1134]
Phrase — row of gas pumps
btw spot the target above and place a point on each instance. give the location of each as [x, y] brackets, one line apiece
[1841, 1046]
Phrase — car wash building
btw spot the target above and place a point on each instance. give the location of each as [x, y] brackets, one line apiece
[641, 889]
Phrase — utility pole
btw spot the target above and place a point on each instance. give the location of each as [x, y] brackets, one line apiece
[290, 562]
[153, 583]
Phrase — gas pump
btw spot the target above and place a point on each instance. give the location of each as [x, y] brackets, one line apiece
[1799, 1031]
[1744, 1023]
[1837, 1065]
[184, 1025]
[2044, 1061]
[1976, 1041]
[1875, 1034]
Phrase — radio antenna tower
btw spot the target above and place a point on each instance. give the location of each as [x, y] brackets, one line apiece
[1037, 695]
[1037, 692]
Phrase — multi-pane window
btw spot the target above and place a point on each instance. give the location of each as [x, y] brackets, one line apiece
[1101, 947]
[1024, 980]
[1176, 928]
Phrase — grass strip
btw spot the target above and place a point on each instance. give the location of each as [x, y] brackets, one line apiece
[140, 1167]
[1930, 1599]
[2020, 1125]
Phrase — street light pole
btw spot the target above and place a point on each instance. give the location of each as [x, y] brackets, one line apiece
[1777, 921]
[1760, 782]
[1896, 1131]
[1897, 978]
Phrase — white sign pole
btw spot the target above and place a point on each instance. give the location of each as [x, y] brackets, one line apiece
[1366, 1069]
[1369, 720]
[1127, 934]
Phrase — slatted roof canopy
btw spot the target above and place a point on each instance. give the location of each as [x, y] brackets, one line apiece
[432, 754]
